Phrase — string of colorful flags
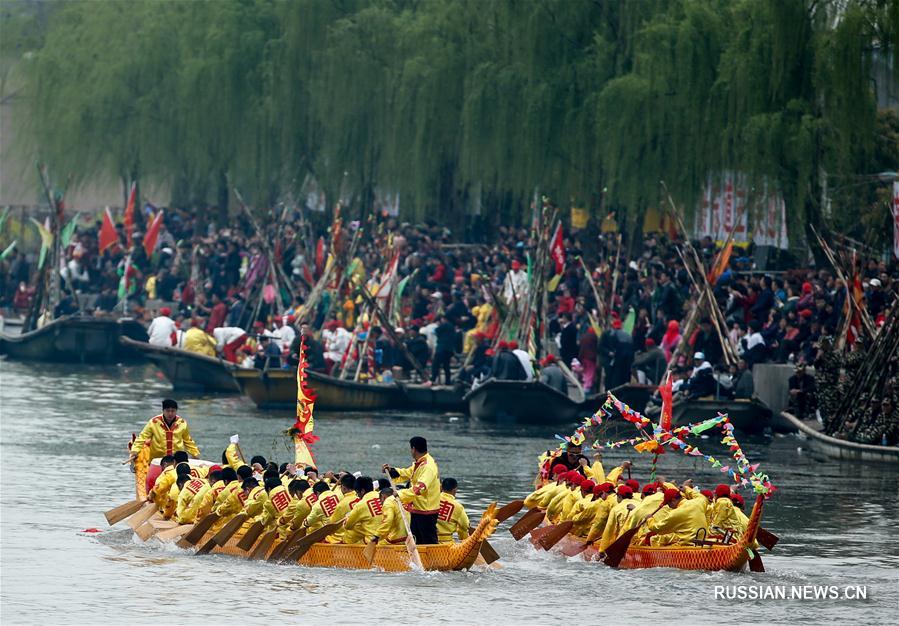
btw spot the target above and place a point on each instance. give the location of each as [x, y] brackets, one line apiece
[741, 471]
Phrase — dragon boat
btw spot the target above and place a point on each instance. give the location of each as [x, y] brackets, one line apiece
[387, 557]
[705, 555]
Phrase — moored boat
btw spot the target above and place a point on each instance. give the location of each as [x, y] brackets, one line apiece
[840, 448]
[525, 401]
[188, 371]
[76, 340]
[277, 389]
[434, 398]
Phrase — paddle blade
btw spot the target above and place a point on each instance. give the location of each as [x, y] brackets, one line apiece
[145, 531]
[573, 549]
[368, 553]
[554, 535]
[508, 510]
[116, 515]
[766, 538]
[246, 542]
[755, 563]
[490, 555]
[412, 549]
[145, 513]
[174, 533]
[528, 522]
[198, 531]
[616, 551]
[227, 531]
[302, 546]
[265, 544]
[286, 545]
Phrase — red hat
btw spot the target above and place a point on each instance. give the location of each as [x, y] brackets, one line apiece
[588, 485]
[671, 495]
[258, 325]
[616, 323]
[332, 325]
[558, 468]
[806, 287]
[516, 264]
[649, 489]
[503, 345]
[291, 318]
[215, 468]
[650, 343]
[547, 360]
[624, 490]
[489, 352]
[605, 487]
[165, 311]
[737, 500]
[633, 484]
[513, 345]
[722, 491]
[805, 313]
[574, 477]
[707, 493]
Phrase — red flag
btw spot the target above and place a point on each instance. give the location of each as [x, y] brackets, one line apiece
[557, 249]
[129, 214]
[320, 256]
[153, 234]
[665, 392]
[108, 235]
[721, 263]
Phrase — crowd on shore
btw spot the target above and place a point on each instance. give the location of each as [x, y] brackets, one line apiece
[196, 290]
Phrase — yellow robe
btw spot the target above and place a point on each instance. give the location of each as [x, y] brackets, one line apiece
[364, 519]
[616, 522]
[164, 440]
[189, 500]
[452, 518]
[229, 501]
[160, 492]
[596, 472]
[560, 506]
[392, 528]
[346, 504]
[321, 510]
[678, 526]
[646, 507]
[209, 499]
[424, 483]
[600, 518]
[274, 507]
[300, 508]
[583, 514]
[233, 456]
[543, 496]
[726, 516]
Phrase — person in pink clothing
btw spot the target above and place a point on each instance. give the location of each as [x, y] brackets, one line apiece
[671, 339]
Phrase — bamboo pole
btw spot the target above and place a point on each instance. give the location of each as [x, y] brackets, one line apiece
[388, 328]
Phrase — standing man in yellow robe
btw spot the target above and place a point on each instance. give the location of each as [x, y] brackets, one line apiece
[165, 434]
[422, 498]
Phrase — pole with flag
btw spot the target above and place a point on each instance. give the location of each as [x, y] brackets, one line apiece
[301, 431]
[128, 220]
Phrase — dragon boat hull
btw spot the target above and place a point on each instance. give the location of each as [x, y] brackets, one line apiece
[188, 371]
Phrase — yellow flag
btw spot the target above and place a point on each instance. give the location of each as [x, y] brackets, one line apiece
[46, 240]
[302, 428]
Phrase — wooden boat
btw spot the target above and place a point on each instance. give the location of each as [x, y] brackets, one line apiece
[714, 557]
[277, 389]
[748, 416]
[188, 371]
[526, 401]
[840, 448]
[76, 340]
[434, 398]
[389, 558]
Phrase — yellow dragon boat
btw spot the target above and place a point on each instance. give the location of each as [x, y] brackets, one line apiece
[387, 557]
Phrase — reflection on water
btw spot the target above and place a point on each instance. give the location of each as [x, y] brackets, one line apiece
[63, 432]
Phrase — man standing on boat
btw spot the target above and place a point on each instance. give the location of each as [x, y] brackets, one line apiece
[422, 498]
[165, 434]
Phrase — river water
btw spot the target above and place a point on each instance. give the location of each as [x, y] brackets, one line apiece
[63, 432]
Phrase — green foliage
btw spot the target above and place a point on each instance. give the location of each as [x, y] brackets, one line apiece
[435, 99]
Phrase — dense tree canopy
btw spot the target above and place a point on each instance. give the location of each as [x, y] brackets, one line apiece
[443, 100]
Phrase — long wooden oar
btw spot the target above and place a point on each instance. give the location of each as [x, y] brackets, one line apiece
[116, 515]
[490, 555]
[223, 535]
[368, 553]
[145, 513]
[147, 529]
[766, 538]
[573, 549]
[616, 551]
[174, 533]
[303, 544]
[285, 545]
[528, 522]
[264, 545]
[246, 542]
[554, 535]
[505, 512]
[199, 530]
[755, 563]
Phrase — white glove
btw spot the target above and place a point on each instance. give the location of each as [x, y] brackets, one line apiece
[235, 439]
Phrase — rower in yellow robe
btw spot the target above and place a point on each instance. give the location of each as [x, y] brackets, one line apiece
[677, 523]
[217, 483]
[165, 433]
[541, 497]
[724, 515]
[560, 506]
[392, 528]
[306, 501]
[229, 501]
[601, 515]
[584, 511]
[275, 505]
[452, 518]
[617, 520]
[364, 520]
[651, 500]
[159, 494]
[347, 493]
[171, 498]
[192, 493]
[232, 454]
[322, 509]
